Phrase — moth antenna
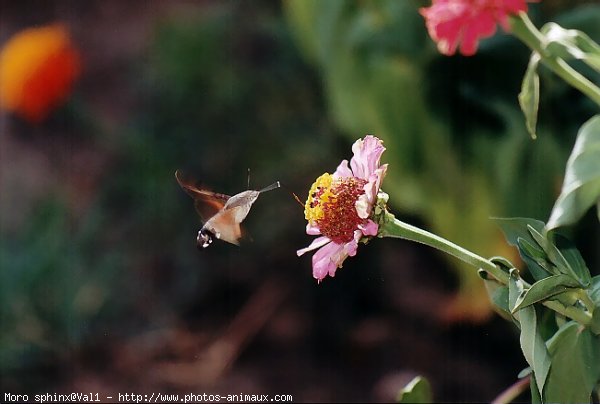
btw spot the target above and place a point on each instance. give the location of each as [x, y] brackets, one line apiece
[248, 178]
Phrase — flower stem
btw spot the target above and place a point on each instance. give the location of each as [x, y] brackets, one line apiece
[586, 300]
[523, 28]
[582, 317]
[393, 227]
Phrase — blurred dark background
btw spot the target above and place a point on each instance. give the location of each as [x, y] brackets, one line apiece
[101, 286]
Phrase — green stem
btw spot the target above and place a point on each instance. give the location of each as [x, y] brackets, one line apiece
[585, 299]
[392, 227]
[582, 317]
[523, 28]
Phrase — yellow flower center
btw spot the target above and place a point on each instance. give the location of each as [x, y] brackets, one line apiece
[331, 205]
[318, 195]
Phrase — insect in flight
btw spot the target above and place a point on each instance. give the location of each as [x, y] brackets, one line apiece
[221, 214]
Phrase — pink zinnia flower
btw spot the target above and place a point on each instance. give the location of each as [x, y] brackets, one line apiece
[465, 22]
[339, 207]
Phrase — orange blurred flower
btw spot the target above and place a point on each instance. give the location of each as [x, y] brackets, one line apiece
[37, 69]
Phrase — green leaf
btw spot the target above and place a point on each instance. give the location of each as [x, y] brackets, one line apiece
[499, 298]
[497, 292]
[532, 343]
[545, 253]
[573, 257]
[524, 373]
[536, 259]
[515, 227]
[595, 290]
[498, 295]
[594, 293]
[550, 249]
[503, 263]
[545, 289]
[529, 97]
[536, 397]
[532, 250]
[574, 266]
[571, 44]
[581, 186]
[575, 368]
[595, 325]
[553, 253]
[418, 390]
[584, 18]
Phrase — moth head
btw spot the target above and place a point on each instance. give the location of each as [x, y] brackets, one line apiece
[205, 238]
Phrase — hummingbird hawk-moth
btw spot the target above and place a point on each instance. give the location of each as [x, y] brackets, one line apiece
[220, 213]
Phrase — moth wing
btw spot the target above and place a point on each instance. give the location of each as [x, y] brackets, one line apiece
[207, 209]
[244, 199]
[225, 225]
[207, 203]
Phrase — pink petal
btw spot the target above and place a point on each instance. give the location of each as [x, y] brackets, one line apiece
[343, 171]
[504, 23]
[444, 21]
[481, 26]
[350, 247]
[318, 242]
[312, 229]
[323, 260]
[367, 153]
[516, 6]
[370, 229]
[451, 23]
[331, 256]
[372, 187]
[365, 202]
[363, 206]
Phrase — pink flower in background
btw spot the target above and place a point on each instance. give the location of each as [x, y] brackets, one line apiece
[339, 207]
[465, 22]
